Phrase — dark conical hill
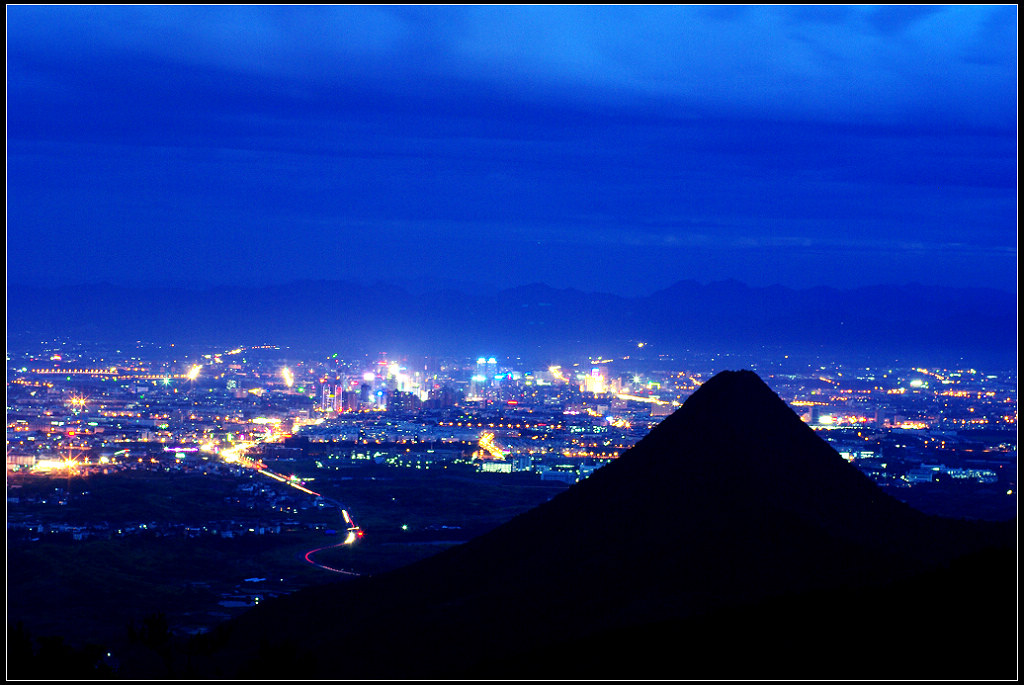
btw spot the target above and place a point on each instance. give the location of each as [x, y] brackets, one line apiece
[732, 509]
[734, 473]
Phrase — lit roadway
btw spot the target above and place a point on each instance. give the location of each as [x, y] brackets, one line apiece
[236, 455]
[350, 537]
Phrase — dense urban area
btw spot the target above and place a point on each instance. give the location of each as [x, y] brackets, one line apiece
[211, 479]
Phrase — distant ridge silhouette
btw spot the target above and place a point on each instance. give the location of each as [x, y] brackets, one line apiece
[926, 324]
[731, 542]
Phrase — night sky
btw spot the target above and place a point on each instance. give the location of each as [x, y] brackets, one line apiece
[613, 149]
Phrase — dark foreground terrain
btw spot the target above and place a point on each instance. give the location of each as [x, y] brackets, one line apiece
[146, 568]
[731, 542]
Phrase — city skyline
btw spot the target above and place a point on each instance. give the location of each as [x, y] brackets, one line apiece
[244, 462]
[608, 149]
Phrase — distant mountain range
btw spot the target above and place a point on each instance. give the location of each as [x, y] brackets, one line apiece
[536, 321]
[730, 542]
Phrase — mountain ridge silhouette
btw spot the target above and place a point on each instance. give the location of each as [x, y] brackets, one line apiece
[932, 325]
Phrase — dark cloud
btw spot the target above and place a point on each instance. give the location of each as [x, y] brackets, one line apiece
[294, 138]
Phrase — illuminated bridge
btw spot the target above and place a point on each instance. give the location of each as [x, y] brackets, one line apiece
[112, 373]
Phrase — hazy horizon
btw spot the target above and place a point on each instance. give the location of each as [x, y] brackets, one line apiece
[426, 285]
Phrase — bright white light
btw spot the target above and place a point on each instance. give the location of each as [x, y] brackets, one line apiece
[49, 464]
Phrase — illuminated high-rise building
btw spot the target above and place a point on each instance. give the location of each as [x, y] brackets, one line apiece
[595, 381]
[327, 398]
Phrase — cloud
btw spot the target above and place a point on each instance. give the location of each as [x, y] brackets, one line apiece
[677, 127]
[876, 64]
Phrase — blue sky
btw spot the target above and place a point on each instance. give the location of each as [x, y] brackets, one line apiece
[616, 149]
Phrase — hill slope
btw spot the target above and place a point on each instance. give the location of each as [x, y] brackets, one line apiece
[729, 542]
